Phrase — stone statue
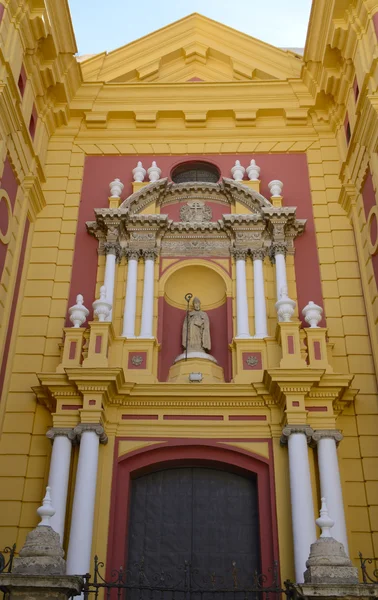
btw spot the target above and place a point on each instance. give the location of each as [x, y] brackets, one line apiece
[197, 326]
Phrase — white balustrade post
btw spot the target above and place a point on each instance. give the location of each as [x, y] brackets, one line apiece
[330, 483]
[302, 507]
[242, 323]
[261, 326]
[59, 474]
[130, 299]
[80, 542]
[111, 251]
[278, 255]
[148, 294]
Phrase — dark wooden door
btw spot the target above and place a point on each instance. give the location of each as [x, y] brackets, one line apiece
[206, 516]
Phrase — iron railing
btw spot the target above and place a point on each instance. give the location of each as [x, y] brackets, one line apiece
[6, 559]
[186, 583]
[366, 576]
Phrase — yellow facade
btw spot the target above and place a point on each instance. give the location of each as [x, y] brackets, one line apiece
[252, 99]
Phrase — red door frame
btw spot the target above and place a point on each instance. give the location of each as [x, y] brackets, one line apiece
[176, 453]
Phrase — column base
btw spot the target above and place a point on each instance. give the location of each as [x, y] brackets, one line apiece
[249, 359]
[139, 359]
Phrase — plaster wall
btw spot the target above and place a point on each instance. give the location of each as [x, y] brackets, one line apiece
[78, 161]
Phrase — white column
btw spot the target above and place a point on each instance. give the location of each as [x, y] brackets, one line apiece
[109, 279]
[330, 483]
[80, 542]
[279, 254]
[148, 295]
[59, 474]
[261, 326]
[242, 324]
[130, 300]
[302, 507]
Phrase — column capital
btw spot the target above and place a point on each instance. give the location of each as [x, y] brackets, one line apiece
[131, 253]
[61, 431]
[239, 253]
[149, 253]
[277, 248]
[112, 248]
[258, 254]
[96, 427]
[289, 429]
[320, 434]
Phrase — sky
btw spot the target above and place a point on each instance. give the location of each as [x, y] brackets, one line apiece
[103, 25]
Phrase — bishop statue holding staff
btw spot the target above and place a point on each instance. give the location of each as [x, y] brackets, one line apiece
[196, 329]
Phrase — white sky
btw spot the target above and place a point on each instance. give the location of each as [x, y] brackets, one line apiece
[108, 24]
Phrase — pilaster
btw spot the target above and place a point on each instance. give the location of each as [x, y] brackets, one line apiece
[100, 339]
[317, 348]
[288, 335]
[72, 349]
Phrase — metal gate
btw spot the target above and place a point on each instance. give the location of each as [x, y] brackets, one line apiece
[186, 583]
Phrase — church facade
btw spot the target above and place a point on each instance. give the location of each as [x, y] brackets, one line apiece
[189, 291]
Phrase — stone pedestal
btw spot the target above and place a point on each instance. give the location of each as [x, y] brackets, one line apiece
[206, 371]
[39, 587]
[39, 571]
[42, 554]
[328, 563]
[328, 591]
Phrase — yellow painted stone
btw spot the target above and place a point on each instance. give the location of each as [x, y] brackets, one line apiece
[204, 370]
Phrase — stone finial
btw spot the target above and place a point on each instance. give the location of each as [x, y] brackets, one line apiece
[139, 172]
[324, 521]
[285, 307]
[275, 188]
[312, 314]
[42, 553]
[78, 313]
[154, 172]
[116, 188]
[101, 307]
[328, 562]
[238, 171]
[46, 511]
[253, 171]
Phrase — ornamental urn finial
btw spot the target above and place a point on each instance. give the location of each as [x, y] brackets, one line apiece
[139, 172]
[154, 172]
[324, 521]
[285, 307]
[238, 171]
[116, 188]
[101, 307]
[275, 188]
[46, 511]
[253, 171]
[312, 314]
[78, 313]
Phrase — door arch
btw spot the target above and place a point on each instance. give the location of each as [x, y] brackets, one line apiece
[186, 453]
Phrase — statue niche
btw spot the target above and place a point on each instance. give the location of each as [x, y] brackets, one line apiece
[196, 330]
[196, 339]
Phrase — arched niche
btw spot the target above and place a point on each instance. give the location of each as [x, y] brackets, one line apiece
[212, 285]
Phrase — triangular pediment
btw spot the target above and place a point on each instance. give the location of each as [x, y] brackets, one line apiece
[194, 49]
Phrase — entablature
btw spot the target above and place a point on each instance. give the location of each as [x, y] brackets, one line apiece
[264, 226]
